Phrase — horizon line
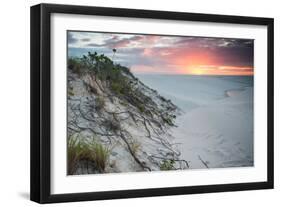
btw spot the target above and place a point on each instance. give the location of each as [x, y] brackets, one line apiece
[192, 74]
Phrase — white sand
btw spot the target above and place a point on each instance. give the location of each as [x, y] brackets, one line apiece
[216, 128]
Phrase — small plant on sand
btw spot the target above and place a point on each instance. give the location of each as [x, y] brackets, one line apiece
[168, 120]
[112, 125]
[70, 91]
[135, 146]
[99, 103]
[78, 150]
[99, 156]
[141, 107]
[167, 165]
[74, 152]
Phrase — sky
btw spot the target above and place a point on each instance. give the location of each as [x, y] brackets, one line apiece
[159, 54]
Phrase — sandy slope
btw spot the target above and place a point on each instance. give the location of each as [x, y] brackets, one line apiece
[220, 134]
[137, 140]
[216, 128]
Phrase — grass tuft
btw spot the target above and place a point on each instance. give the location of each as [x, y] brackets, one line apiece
[78, 150]
[99, 155]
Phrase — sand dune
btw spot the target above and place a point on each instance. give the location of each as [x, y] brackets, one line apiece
[216, 127]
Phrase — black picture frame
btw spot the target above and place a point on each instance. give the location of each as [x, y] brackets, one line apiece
[41, 99]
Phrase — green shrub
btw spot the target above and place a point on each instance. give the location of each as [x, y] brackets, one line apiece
[141, 107]
[124, 69]
[75, 65]
[168, 120]
[116, 87]
[167, 165]
[70, 91]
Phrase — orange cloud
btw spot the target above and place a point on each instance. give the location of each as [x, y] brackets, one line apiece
[170, 54]
[207, 62]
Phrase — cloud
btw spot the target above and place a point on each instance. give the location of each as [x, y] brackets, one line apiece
[117, 42]
[136, 41]
[111, 42]
[209, 42]
[71, 38]
[168, 53]
[94, 45]
[86, 39]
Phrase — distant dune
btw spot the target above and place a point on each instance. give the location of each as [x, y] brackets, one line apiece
[216, 129]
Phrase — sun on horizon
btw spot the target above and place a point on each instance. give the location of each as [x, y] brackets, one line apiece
[157, 54]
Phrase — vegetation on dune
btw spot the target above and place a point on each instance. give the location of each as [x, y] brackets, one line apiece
[104, 69]
[99, 156]
[140, 107]
[70, 92]
[99, 65]
[99, 103]
[115, 75]
[80, 150]
[74, 151]
[167, 165]
[135, 146]
[112, 125]
[120, 81]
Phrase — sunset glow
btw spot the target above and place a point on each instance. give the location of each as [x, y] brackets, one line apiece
[155, 54]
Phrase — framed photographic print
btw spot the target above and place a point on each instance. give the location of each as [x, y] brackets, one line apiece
[132, 103]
